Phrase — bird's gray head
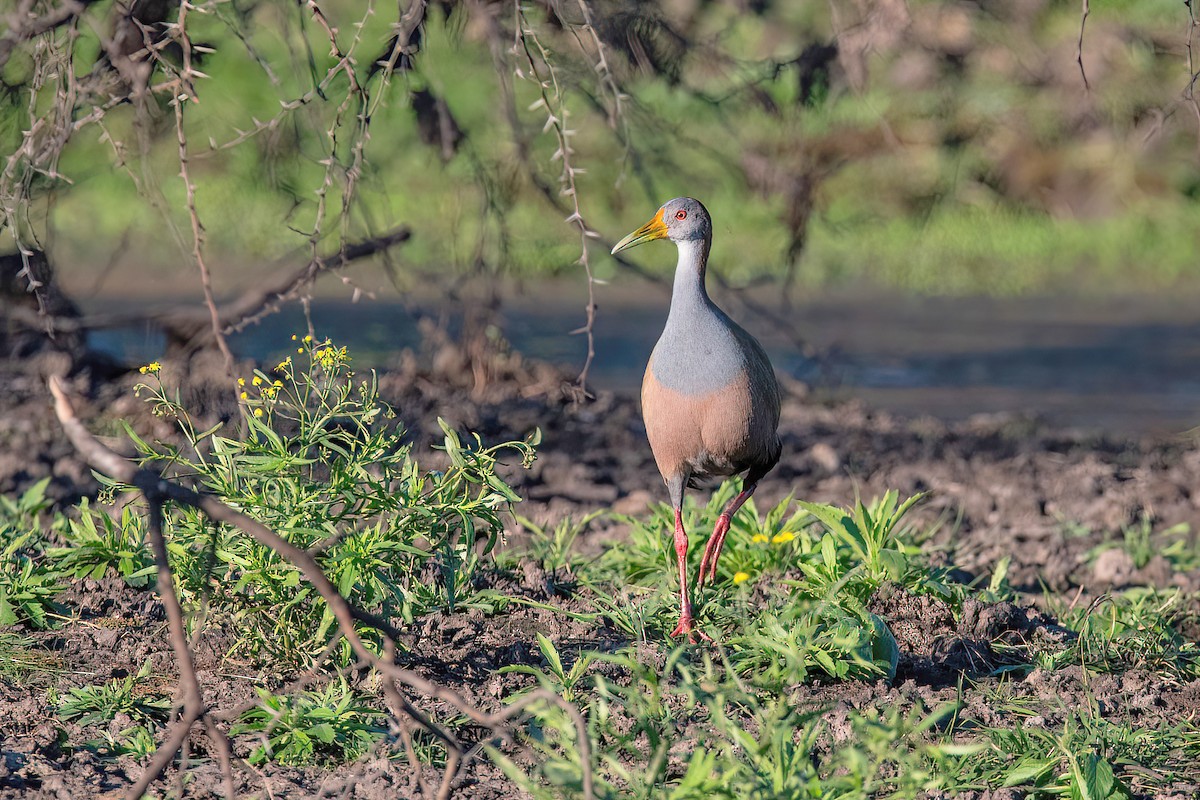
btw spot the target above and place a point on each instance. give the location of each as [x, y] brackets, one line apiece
[683, 219]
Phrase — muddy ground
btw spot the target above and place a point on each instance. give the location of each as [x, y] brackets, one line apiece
[998, 487]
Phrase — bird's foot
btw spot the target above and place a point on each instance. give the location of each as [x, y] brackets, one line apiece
[712, 552]
[687, 627]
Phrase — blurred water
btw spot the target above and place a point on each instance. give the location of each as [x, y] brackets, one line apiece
[1126, 365]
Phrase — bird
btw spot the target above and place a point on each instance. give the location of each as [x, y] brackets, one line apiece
[710, 398]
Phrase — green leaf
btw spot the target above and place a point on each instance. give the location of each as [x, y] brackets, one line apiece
[8, 614]
[323, 732]
[1029, 770]
[1092, 778]
[550, 653]
[884, 647]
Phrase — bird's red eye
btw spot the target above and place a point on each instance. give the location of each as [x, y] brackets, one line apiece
[681, 214]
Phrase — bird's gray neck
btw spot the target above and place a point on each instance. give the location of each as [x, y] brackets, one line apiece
[689, 296]
[697, 352]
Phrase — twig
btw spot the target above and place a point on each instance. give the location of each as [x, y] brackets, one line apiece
[252, 307]
[1190, 91]
[197, 229]
[551, 99]
[193, 701]
[21, 30]
[1083, 16]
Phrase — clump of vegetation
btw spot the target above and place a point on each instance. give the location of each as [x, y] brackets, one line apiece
[332, 726]
[324, 463]
[795, 584]
[790, 608]
[99, 703]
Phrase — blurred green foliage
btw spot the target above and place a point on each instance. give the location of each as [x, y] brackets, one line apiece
[966, 157]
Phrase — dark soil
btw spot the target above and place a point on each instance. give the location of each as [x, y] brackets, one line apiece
[999, 487]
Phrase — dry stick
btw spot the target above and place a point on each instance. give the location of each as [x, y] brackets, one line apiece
[556, 120]
[1193, 75]
[256, 304]
[224, 753]
[253, 306]
[159, 489]
[197, 229]
[18, 32]
[397, 703]
[1079, 46]
[193, 701]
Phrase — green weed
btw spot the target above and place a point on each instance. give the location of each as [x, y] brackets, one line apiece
[24, 511]
[792, 585]
[331, 726]
[27, 586]
[325, 464]
[99, 703]
[552, 548]
[98, 544]
[1136, 628]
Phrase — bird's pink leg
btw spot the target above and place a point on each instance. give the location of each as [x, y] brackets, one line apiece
[686, 626]
[716, 542]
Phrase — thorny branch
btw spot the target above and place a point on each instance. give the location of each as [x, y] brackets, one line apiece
[1193, 75]
[1083, 18]
[184, 95]
[551, 99]
[158, 491]
[186, 322]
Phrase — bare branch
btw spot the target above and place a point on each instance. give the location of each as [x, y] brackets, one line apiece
[1083, 17]
[184, 96]
[22, 29]
[557, 114]
[193, 701]
[1190, 90]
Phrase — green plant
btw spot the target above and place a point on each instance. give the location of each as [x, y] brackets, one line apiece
[98, 543]
[1142, 542]
[137, 742]
[552, 548]
[22, 512]
[555, 676]
[1136, 628]
[330, 726]
[99, 703]
[324, 463]
[864, 546]
[692, 729]
[27, 586]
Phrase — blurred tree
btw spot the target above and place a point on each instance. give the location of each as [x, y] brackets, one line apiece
[939, 145]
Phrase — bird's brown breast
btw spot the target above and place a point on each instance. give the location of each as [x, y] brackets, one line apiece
[715, 433]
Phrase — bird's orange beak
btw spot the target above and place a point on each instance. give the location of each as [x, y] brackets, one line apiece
[654, 229]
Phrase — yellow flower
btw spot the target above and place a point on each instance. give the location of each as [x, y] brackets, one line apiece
[241, 381]
[258, 412]
[741, 577]
[243, 395]
[293, 337]
[257, 380]
[783, 536]
[277, 384]
[759, 538]
[299, 349]
[284, 365]
[152, 368]
[307, 339]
